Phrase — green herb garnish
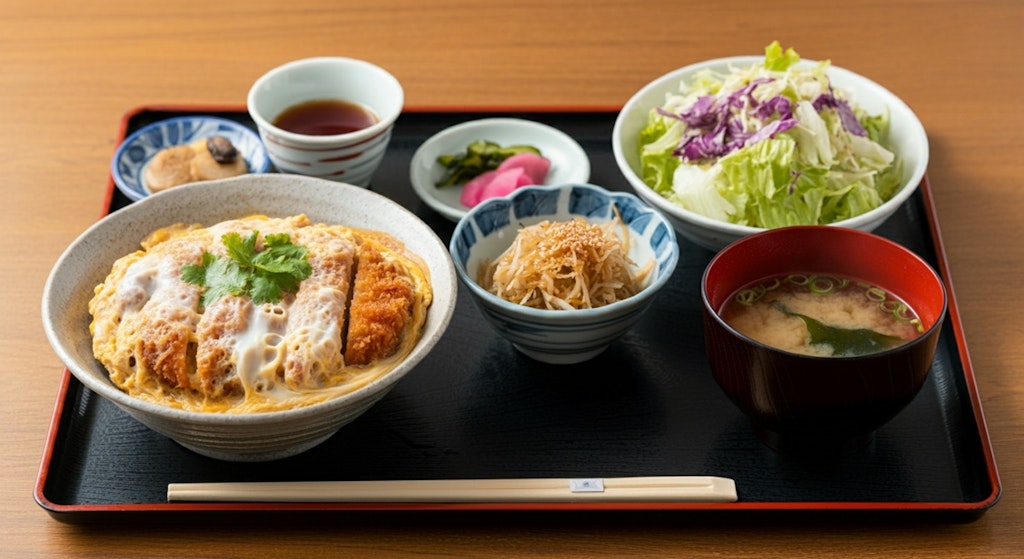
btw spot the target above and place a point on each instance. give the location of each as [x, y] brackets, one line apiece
[480, 156]
[263, 276]
[845, 342]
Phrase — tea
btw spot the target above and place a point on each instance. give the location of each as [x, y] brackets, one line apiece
[325, 117]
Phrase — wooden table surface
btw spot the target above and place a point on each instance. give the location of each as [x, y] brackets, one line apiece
[70, 70]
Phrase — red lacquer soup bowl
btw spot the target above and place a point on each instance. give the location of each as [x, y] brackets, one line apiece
[820, 403]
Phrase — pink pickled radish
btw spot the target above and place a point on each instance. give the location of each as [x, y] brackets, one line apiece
[536, 167]
[519, 170]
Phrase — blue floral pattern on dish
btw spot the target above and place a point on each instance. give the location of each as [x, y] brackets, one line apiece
[561, 336]
[137, 149]
[582, 200]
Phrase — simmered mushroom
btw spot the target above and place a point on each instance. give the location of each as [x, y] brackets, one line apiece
[221, 148]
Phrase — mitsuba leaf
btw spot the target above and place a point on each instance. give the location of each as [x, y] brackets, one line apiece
[223, 277]
[241, 250]
[196, 273]
[263, 276]
[263, 290]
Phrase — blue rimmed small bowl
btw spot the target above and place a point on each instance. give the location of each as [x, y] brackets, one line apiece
[138, 149]
[561, 336]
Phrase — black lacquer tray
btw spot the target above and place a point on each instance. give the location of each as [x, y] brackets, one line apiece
[476, 408]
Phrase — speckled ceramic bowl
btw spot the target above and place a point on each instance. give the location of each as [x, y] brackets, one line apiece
[237, 437]
[138, 149]
[561, 336]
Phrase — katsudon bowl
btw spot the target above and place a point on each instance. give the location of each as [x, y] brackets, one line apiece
[242, 437]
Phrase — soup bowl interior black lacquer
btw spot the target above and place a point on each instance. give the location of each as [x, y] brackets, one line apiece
[803, 404]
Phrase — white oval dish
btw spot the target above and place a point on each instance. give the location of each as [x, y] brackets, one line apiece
[569, 163]
[138, 149]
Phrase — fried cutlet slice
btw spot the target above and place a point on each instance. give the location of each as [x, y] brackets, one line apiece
[383, 297]
[144, 316]
[316, 319]
[222, 323]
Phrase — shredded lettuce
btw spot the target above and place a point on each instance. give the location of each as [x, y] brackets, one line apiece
[768, 145]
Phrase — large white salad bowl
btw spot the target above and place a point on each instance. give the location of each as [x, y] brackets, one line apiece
[907, 138]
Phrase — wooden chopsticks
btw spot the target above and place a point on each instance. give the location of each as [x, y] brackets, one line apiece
[614, 489]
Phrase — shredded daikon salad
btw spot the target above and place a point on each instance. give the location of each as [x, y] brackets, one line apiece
[566, 265]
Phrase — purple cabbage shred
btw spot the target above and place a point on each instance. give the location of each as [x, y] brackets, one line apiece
[846, 116]
[714, 130]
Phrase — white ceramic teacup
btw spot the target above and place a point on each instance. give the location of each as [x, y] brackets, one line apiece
[350, 157]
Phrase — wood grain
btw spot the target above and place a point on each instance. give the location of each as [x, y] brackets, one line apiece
[70, 70]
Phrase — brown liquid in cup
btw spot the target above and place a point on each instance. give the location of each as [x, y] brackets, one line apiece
[325, 117]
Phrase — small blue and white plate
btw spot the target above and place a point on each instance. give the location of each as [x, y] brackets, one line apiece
[569, 163]
[137, 149]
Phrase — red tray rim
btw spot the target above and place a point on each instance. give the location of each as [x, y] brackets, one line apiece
[972, 508]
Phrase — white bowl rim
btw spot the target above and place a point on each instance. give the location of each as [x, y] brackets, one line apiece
[381, 126]
[702, 221]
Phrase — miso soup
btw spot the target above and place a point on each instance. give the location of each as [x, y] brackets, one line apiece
[821, 315]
